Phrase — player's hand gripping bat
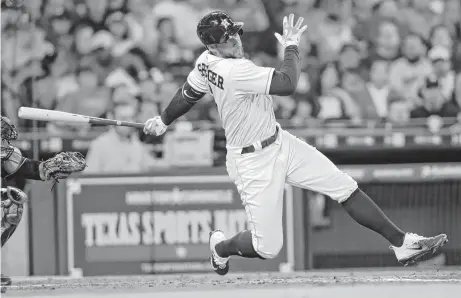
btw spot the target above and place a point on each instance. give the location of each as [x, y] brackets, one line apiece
[59, 116]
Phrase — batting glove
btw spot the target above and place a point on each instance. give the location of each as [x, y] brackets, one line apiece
[291, 33]
[155, 126]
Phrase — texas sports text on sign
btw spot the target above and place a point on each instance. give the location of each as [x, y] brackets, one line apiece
[135, 225]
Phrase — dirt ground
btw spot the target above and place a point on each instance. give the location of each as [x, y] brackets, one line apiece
[313, 284]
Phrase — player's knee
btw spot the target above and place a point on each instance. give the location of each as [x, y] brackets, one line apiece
[346, 186]
[269, 250]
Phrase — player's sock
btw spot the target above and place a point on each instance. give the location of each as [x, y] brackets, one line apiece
[365, 212]
[239, 245]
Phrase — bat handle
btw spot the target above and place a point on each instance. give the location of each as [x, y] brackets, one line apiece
[131, 124]
[101, 121]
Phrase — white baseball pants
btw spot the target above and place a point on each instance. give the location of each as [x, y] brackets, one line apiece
[260, 178]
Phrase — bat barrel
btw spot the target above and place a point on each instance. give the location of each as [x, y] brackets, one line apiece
[50, 115]
[59, 116]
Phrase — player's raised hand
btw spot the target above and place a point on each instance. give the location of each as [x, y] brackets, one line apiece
[155, 126]
[291, 33]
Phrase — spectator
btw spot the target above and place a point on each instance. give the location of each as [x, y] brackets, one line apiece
[147, 45]
[421, 16]
[399, 112]
[118, 6]
[359, 96]
[83, 33]
[440, 58]
[141, 11]
[333, 34]
[458, 90]
[91, 98]
[350, 58]
[9, 104]
[407, 73]
[185, 16]
[452, 21]
[334, 101]
[119, 150]
[169, 52]
[58, 79]
[381, 12]
[303, 113]
[440, 36]
[32, 7]
[23, 46]
[284, 106]
[386, 45]
[56, 7]
[59, 31]
[96, 12]
[380, 93]
[433, 101]
[126, 31]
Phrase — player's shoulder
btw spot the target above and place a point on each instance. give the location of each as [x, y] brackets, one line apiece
[202, 58]
[241, 65]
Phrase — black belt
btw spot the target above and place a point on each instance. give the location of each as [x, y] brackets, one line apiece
[264, 143]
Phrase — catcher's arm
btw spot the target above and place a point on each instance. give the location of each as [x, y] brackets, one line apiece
[58, 167]
[18, 166]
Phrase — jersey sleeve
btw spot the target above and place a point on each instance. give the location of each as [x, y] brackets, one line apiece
[197, 77]
[250, 78]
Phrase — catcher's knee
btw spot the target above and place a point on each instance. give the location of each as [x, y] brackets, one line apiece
[12, 203]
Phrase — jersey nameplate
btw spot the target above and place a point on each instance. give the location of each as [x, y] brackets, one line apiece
[211, 76]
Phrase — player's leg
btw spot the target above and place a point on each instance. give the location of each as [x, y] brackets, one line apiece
[260, 180]
[310, 169]
[6, 234]
[12, 204]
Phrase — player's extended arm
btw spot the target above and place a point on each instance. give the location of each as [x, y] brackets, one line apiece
[184, 99]
[285, 81]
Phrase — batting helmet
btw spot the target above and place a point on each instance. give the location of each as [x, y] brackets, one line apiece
[216, 27]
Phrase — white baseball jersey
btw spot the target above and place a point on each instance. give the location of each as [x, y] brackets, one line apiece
[241, 92]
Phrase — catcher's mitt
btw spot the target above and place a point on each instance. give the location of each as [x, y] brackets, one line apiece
[62, 165]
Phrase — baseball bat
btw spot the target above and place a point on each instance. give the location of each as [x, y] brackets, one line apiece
[51, 115]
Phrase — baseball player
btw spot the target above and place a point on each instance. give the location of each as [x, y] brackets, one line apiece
[261, 156]
[14, 164]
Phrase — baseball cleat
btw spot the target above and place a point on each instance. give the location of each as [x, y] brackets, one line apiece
[415, 246]
[219, 264]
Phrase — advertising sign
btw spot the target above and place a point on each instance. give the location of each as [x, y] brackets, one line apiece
[404, 172]
[158, 224]
[178, 145]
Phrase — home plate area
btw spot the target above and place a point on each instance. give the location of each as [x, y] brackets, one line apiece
[313, 284]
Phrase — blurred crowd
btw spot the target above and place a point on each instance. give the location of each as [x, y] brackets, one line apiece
[387, 60]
